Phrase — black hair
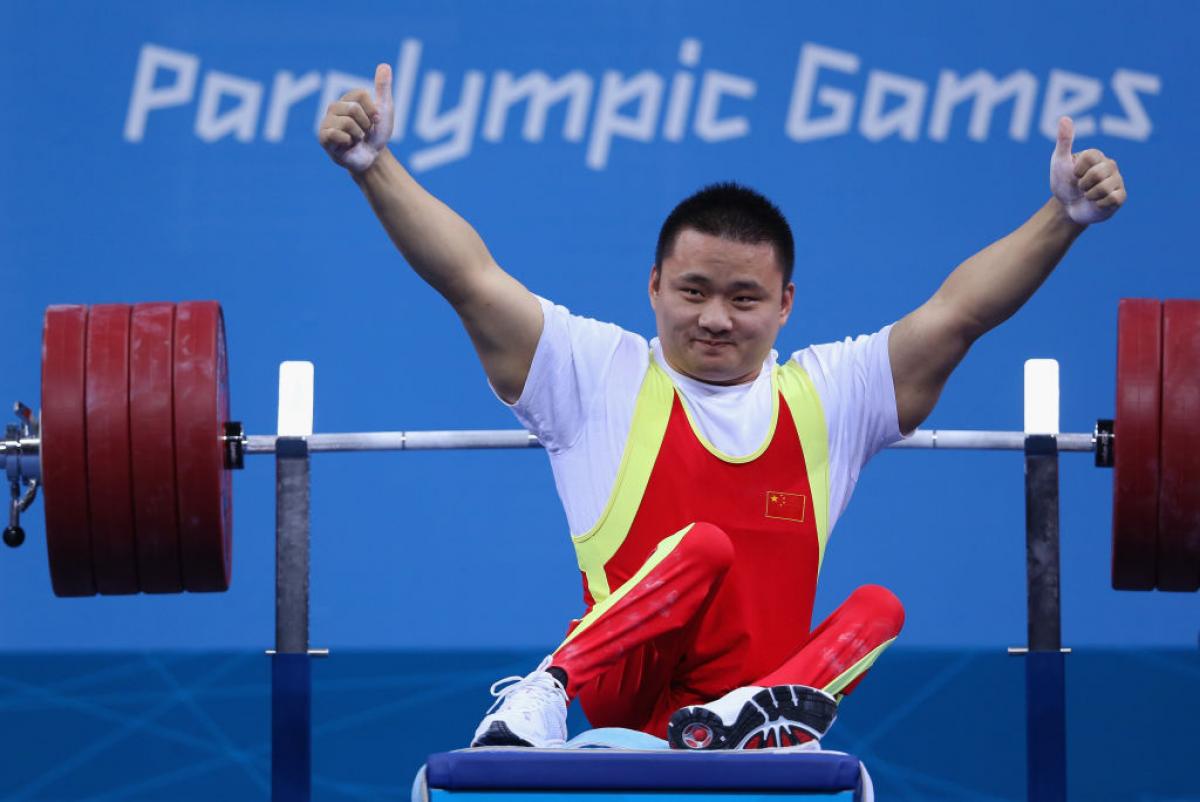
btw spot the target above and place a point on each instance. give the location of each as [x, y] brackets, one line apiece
[730, 211]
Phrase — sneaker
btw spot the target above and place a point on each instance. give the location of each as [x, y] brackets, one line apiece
[531, 711]
[753, 717]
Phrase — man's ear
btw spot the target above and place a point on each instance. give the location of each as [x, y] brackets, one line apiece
[655, 277]
[785, 309]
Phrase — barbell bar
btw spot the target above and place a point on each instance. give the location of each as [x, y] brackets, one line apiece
[134, 447]
[962, 439]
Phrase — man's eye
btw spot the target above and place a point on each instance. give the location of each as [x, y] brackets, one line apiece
[690, 291]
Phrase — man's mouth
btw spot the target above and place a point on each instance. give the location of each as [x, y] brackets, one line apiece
[713, 343]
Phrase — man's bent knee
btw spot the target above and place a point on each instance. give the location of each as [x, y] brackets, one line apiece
[881, 604]
[709, 546]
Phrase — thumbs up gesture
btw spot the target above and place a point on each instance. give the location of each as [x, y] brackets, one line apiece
[357, 127]
[1087, 184]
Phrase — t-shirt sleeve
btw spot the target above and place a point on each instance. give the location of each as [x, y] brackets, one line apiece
[854, 381]
[575, 360]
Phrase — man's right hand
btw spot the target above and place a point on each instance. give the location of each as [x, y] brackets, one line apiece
[357, 128]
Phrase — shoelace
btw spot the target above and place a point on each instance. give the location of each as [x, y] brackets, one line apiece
[540, 687]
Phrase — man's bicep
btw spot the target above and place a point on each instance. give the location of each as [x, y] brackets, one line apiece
[923, 349]
[579, 365]
[853, 380]
[504, 320]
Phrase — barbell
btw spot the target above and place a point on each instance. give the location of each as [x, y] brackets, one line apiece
[135, 447]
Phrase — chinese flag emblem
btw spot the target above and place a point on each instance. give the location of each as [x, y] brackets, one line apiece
[786, 506]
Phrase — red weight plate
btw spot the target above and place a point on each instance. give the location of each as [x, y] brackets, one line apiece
[64, 451]
[110, 484]
[152, 447]
[201, 410]
[1135, 454]
[1179, 488]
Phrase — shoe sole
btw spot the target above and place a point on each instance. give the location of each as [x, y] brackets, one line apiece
[779, 716]
[498, 734]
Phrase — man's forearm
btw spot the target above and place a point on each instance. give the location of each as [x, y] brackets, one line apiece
[442, 247]
[992, 285]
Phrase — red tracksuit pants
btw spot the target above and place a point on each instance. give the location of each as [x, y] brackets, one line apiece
[674, 638]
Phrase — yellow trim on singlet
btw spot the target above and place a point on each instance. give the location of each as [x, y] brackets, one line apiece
[595, 547]
[855, 671]
[664, 547]
[809, 417]
[721, 455]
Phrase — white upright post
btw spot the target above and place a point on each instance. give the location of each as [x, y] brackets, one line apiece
[1041, 396]
[295, 399]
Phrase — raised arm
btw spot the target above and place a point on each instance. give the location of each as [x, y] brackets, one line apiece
[987, 289]
[503, 319]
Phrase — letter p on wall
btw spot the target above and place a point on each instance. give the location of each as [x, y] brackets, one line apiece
[147, 97]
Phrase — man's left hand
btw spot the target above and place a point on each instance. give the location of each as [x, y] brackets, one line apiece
[1087, 184]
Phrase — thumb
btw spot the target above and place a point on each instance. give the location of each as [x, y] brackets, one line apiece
[1066, 137]
[383, 86]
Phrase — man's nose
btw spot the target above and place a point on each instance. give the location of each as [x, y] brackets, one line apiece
[714, 318]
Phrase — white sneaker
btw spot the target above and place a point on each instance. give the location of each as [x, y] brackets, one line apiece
[753, 717]
[530, 712]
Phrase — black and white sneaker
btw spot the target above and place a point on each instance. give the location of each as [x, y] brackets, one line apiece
[753, 717]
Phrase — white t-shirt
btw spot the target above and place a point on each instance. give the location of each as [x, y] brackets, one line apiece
[583, 385]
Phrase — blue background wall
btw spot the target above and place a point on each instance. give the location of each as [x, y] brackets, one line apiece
[469, 551]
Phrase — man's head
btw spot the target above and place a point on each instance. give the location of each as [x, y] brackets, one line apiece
[721, 283]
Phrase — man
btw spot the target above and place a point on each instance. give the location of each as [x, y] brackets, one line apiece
[700, 478]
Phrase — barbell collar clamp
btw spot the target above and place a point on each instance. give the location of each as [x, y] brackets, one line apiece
[19, 457]
[19, 449]
[234, 440]
[1104, 436]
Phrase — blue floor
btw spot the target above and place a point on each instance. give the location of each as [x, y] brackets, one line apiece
[928, 724]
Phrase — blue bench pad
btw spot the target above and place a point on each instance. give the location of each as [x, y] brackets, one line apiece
[623, 770]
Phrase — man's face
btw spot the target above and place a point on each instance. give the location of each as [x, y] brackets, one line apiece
[719, 305]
